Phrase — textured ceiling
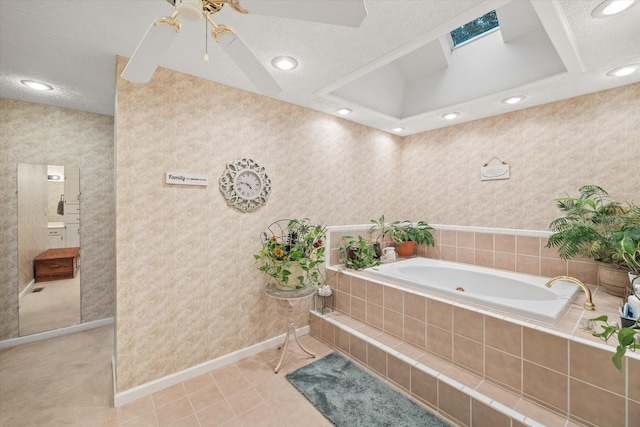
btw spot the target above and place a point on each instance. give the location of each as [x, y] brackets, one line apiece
[72, 45]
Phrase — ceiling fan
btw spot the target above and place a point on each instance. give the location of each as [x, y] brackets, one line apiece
[163, 31]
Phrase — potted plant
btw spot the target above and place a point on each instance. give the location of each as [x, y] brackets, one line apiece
[292, 253]
[628, 252]
[356, 253]
[407, 235]
[627, 338]
[380, 229]
[587, 229]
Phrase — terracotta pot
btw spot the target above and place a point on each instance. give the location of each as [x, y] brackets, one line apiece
[406, 249]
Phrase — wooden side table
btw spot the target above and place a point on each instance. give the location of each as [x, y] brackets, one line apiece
[288, 298]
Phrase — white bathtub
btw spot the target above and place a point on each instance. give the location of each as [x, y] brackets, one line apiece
[520, 294]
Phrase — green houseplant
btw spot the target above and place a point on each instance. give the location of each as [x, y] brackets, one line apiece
[626, 338]
[292, 253]
[587, 228]
[407, 234]
[379, 229]
[356, 253]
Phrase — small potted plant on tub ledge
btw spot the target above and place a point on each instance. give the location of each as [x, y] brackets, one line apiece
[407, 235]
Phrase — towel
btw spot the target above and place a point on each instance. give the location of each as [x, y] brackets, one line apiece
[61, 205]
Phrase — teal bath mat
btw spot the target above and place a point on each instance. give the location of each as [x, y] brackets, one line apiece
[350, 397]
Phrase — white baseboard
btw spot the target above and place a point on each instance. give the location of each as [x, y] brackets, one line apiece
[12, 342]
[27, 289]
[143, 390]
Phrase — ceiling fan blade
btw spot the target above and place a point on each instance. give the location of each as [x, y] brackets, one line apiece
[150, 51]
[245, 59]
[347, 13]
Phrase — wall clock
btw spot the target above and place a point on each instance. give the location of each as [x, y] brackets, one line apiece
[245, 185]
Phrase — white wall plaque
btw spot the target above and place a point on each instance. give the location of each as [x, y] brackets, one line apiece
[187, 178]
[488, 173]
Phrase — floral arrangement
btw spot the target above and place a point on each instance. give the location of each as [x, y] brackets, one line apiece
[293, 253]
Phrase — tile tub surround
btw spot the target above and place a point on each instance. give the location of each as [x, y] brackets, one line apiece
[561, 368]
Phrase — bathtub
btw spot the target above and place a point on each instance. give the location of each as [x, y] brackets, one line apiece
[519, 294]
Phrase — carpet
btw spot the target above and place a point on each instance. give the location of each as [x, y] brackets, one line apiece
[350, 397]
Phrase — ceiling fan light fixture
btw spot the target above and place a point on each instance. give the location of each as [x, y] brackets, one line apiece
[36, 85]
[191, 10]
[513, 99]
[343, 111]
[398, 129]
[611, 7]
[284, 63]
[625, 70]
[450, 116]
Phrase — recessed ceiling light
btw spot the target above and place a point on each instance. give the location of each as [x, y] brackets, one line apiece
[284, 63]
[624, 70]
[343, 111]
[513, 99]
[611, 7]
[398, 129]
[449, 116]
[36, 85]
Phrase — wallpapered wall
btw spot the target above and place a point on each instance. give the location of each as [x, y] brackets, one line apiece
[552, 150]
[188, 289]
[39, 134]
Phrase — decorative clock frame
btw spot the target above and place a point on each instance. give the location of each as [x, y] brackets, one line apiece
[239, 174]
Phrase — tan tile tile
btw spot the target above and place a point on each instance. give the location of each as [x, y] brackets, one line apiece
[377, 360]
[463, 376]
[259, 416]
[448, 237]
[399, 372]
[189, 421]
[528, 245]
[358, 349]
[374, 315]
[374, 293]
[504, 261]
[358, 309]
[226, 373]
[415, 306]
[409, 350]
[466, 255]
[415, 332]
[528, 264]
[198, 383]
[168, 395]
[440, 314]
[484, 415]
[358, 288]
[448, 253]
[252, 362]
[277, 389]
[393, 299]
[440, 342]
[633, 371]
[371, 331]
[503, 335]
[539, 413]
[148, 419]
[593, 365]
[484, 241]
[206, 397]
[244, 401]
[546, 386]
[424, 387]
[468, 353]
[553, 267]
[545, 349]
[483, 258]
[469, 324]
[343, 302]
[499, 394]
[342, 340]
[174, 411]
[135, 409]
[455, 403]
[505, 243]
[393, 323]
[328, 332]
[465, 239]
[215, 415]
[232, 386]
[434, 362]
[609, 409]
[503, 368]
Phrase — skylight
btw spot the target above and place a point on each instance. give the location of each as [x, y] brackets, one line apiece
[475, 28]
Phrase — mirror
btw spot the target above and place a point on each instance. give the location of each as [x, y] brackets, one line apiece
[48, 247]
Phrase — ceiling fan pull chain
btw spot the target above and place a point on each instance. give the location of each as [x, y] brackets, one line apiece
[206, 41]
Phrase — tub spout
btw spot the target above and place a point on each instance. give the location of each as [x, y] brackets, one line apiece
[588, 304]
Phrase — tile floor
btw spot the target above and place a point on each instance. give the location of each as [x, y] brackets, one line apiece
[72, 386]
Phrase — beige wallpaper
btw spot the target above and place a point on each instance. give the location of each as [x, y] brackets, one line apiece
[38, 134]
[552, 150]
[188, 290]
[32, 210]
